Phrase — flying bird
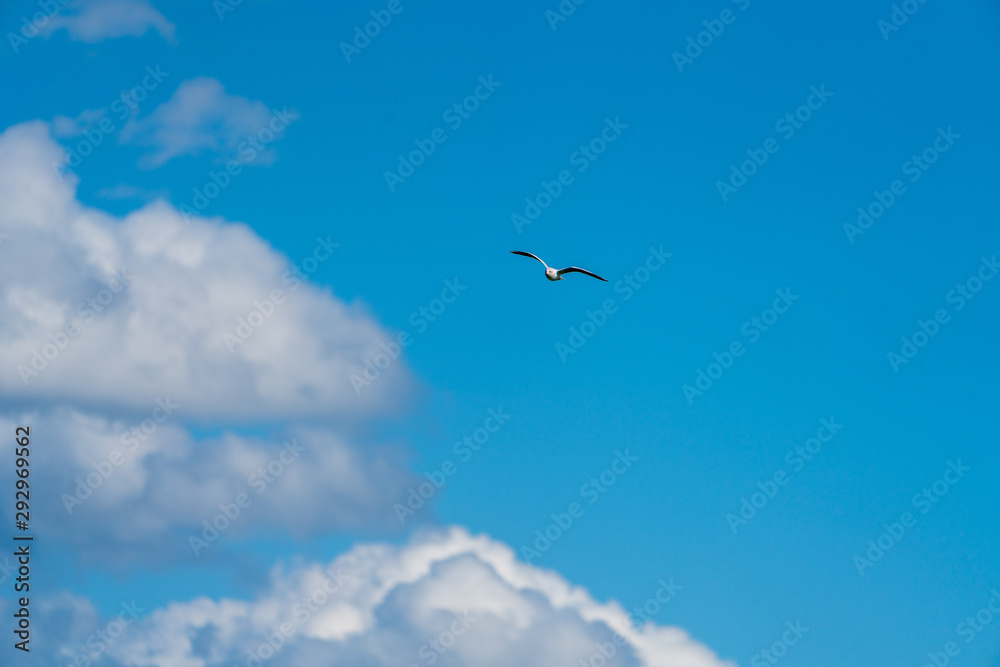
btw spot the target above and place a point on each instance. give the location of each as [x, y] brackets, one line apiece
[553, 274]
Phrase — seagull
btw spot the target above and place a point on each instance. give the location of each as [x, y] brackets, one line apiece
[553, 274]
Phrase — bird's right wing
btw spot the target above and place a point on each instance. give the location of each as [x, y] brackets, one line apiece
[528, 254]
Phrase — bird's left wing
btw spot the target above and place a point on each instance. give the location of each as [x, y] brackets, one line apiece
[577, 269]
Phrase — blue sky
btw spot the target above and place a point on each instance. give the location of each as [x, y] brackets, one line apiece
[888, 96]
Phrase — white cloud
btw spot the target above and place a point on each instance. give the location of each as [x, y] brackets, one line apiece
[200, 117]
[155, 335]
[392, 604]
[120, 491]
[165, 334]
[95, 20]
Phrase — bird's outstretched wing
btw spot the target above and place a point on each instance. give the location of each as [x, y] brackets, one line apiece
[528, 254]
[577, 269]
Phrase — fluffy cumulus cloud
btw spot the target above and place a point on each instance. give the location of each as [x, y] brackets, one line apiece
[205, 312]
[96, 20]
[138, 491]
[446, 598]
[201, 117]
[123, 333]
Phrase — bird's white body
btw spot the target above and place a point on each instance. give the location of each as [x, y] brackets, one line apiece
[552, 274]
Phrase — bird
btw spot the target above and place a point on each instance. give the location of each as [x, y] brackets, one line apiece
[553, 274]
